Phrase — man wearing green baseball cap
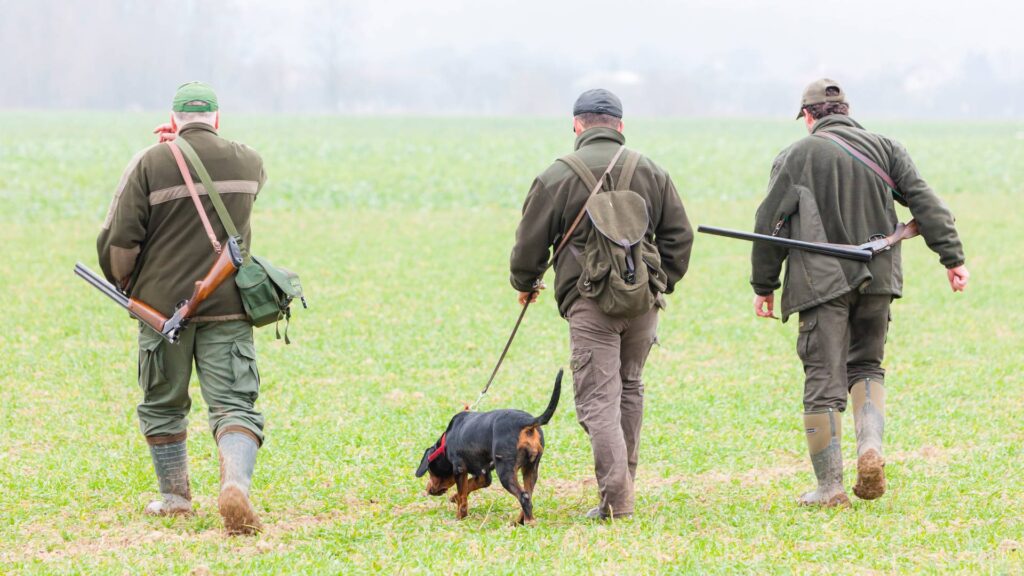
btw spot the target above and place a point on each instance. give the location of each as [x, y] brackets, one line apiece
[841, 185]
[154, 248]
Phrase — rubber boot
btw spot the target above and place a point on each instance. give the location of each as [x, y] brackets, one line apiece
[170, 462]
[237, 460]
[869, 422]
[824, 432]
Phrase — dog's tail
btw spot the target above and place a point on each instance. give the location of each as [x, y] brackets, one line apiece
[550, 410]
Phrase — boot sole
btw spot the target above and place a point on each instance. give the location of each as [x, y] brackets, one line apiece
[840, 499]
[239, 516]
[870, 476]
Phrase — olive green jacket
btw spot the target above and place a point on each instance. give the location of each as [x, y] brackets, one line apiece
[558, 195]
[819, 193]
[153, 241]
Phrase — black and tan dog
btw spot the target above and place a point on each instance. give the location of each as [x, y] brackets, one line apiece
[475, 443]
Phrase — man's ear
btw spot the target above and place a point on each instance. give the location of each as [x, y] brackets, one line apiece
[216, 121]
[174, 125]
[424, 464]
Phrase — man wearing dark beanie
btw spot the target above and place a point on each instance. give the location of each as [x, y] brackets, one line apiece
[631, 249]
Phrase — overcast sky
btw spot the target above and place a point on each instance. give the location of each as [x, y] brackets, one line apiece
[693, 57]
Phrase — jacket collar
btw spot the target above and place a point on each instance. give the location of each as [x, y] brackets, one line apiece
[197, 126]
[599, 134]
[834, 120]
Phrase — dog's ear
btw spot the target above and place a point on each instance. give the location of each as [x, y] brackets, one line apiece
[424, 464]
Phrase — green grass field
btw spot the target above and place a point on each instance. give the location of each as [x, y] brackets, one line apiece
[401, 230]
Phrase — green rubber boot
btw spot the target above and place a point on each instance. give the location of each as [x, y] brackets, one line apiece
[869, 422]
[170, 462]
[237, 461]
[824, 432]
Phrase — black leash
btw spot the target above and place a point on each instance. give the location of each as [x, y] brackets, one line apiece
[539, 283]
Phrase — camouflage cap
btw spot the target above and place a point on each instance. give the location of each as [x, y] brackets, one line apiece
[598, 101]
[195, 97]
[818, 92]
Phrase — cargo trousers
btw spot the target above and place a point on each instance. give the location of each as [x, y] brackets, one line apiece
[840, 342]
[608, 357]
[225, 360]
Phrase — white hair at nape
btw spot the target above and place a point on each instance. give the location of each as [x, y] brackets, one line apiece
[182, 118]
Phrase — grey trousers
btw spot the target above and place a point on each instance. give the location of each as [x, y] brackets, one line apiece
[608, 356]
[842, 341]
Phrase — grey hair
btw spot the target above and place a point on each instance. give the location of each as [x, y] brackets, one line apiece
[182, 118]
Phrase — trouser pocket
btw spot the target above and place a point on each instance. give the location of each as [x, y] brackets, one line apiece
[151, 363]
[244, 369]
[806, 343]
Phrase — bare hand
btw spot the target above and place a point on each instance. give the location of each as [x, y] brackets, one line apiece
[958, 278]
[532, 296]
[165, 133]
[763, 302]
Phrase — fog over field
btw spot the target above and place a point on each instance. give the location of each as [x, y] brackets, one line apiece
[911, 58]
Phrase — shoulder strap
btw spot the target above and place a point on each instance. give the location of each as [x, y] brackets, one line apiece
[580, 169]
[628, 168]
[863, 159]
[211, 190]
[594, 190]
[176, 152]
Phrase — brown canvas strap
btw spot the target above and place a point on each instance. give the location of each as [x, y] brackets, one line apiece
[176, 152]
[863, 159]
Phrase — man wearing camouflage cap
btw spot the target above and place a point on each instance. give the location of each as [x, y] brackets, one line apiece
[840, 185]
[153, 246]
[608, 352]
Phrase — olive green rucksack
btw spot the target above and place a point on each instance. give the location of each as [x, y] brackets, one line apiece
[621, 266]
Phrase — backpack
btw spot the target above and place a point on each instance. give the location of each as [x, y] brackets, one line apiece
[621, 266]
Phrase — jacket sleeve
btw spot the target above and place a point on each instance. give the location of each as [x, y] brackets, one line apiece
[934, 219]
[124, 230]
[673, 236]
[765, 259]
[534, 236]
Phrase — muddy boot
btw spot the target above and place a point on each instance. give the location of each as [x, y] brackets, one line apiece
[237, 460]
[824, 431]
[869, 422]
[170, 462]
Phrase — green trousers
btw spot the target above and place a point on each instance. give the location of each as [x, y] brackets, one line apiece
[225, 361]
[842, 341]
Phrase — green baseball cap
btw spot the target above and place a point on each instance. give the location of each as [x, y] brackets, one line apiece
[195, 97]
[817, 92]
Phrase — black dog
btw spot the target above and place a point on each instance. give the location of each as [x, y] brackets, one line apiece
[477, 442]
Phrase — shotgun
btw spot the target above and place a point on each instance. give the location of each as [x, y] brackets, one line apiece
[862, 253]
[225, 266]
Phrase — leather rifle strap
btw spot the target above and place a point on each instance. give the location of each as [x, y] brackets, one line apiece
[863, 159]
[176, 152]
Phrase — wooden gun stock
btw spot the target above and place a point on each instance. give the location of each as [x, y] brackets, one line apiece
[225, 266]
[147, 315]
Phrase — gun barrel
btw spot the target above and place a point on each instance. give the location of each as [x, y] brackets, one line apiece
[101, 284]
[838, 251]
[137, 309]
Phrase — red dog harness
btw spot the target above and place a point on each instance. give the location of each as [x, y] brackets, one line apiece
[440, 449]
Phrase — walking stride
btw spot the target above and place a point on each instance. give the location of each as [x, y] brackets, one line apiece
[839, 185]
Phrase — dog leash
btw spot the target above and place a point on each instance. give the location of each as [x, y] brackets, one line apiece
[539, 282]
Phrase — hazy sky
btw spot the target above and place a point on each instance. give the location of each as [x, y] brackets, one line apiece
[693, 57]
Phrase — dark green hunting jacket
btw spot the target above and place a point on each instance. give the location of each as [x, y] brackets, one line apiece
[153, 233]
[557, 196]
[820, 193]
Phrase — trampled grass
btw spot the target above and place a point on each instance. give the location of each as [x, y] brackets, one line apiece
[401, 230]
